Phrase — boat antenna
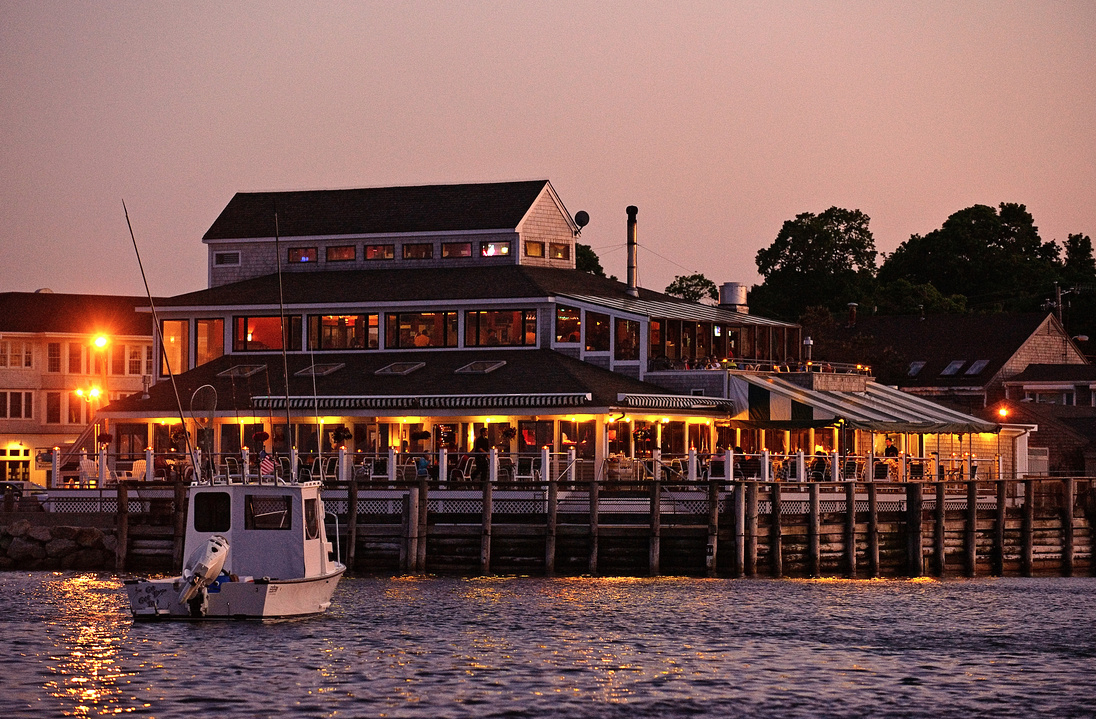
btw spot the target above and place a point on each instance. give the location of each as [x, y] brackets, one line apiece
[159, 334]
[289, 438]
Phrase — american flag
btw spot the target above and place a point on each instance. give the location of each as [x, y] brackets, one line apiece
[266, 465]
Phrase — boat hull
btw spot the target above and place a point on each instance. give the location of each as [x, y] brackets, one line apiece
[158, 599]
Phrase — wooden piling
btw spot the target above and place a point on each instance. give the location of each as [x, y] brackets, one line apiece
[405, 529]
[351, 522]
[1027, 527]
[915, 551]
[713, 527]
[420, 559]
[751, 528]
[776, 534]
[971, 549]
[998, 560]
[413, 528]
[485, 530]
[850, 529]
[939, 525]
[1069, 493]
[739, 528]
[814, 544]
[551, 528]
[595, 511]
[873, 530]
[654, 559]
[122, 526]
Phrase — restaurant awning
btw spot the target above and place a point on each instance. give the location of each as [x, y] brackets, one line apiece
[770, 402]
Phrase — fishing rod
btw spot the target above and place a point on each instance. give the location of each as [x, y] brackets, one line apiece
[163, 350]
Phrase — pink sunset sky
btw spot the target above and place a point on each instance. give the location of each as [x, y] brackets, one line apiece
[718, 120]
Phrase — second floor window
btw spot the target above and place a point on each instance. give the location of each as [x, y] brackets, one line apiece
[342, 332]
[498, 328]
[209, 342]
[345, 253]
[53, 357]
[380, 252]
[176, 334]
[418, 251]
[16, 405]
[255, 334]
[494, 249]
[559, 251]
[597, 332]
[568, 324]
[534, 249]
[410, 330]
[450, 250]
[298, 255]
[15, 354]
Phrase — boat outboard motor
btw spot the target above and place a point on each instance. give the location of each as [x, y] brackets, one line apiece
[203, 566]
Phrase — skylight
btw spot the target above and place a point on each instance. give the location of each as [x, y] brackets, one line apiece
[400, 368]
[976, 367]
[916, 367]
[480, 367]
[320, 370]
[242, 370]
[953, 368]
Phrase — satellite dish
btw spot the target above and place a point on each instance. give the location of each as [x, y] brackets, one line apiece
[582, 218]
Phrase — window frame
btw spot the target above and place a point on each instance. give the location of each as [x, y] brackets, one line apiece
[353, 253]
[304, 255]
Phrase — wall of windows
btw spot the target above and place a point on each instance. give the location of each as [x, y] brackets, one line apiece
[176, 334]
[342, 332]
[209, 340]
[626, 344]
[496, 328]
[254, 334]
[568, 324]
[597, 332]
[410, 330]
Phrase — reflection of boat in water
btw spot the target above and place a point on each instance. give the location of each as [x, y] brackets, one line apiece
[255, 551]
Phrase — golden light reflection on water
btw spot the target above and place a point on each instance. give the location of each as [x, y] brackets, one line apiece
[87, 634]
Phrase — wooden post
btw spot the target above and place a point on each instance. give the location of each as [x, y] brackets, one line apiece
[873, 530]
[1069, 492]
[998, 568]
[850, 529]
[180, 526]
[776, 534]
[713, 527]
[739, 528]
[550, 529]
[122, 519]
[972, 529]
[654, 559]
[751, 529]
[939, 516]
[1027, 525]
[405, 529]
[814, 544]
[594, 511]
[351, 521]
[420, 559]
[413, 528]
[915, 551]
[485, 533]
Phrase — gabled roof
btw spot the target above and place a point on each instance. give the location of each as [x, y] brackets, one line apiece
[74, 314]
[1080, 373]
[533, 380]
[377, 210]
[940, 340]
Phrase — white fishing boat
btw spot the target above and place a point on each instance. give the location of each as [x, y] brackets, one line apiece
[254, 551]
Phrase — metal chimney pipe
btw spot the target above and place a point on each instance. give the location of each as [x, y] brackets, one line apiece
[632, 250]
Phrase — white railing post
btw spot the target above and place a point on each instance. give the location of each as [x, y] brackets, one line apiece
[656, 464]
[800, 467]
[150, 465]
[691, 473]
[245, 464]
[544, 471]
[294, 460]
[55, 464]
[443, 464]
[392, 465]
[835, 469]
[102, 465]
[728, 465]
[765, 468]
[343, 473]
[572, 472]
[493, 466]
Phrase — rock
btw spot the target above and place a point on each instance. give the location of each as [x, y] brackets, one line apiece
[40, 534]
[64, 532]
[110, 543]
[19, 528]
[60, 547]
[24, 550]
[89, 537]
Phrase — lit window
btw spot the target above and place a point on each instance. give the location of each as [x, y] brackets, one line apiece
[451, 250]
[568, 324]
[380, 252]
[418, 251]
[302, 254]
[344, 253]
[534, 249]
[494, 249]
[559, 251]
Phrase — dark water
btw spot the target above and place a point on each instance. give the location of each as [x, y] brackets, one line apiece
[513, 647]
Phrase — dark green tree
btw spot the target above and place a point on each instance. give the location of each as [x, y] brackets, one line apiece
[1079, 265]
[825, 260]
[586, 260]
[693, 288]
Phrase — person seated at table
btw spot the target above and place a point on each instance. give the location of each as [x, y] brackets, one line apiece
[818, 468]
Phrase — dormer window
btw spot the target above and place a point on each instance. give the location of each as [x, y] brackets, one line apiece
[953, 368]
[298, 255]
[559, 251]
[534, 249]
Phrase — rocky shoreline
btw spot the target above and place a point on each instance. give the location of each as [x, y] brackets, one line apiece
[27, 546]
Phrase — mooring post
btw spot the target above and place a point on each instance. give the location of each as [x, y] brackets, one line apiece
[850, 529]
[594, 512]
[713, 526]
[998, 568]
[405, 529]
[1027, 526]
[351, 521]
[915, 551]
[776, 534]
[939, 547]
[751, 528]
[972, 529]
[654, 559]
[1069, 493]
[422, 510]
[412, 528]
[550, 527]
[739, 528]
[814, 543]
[122, 518]
[485, 531]
[873, 530]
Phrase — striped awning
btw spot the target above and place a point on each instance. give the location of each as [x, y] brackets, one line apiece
[675, 402]
[474, 401]
[768, 401]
